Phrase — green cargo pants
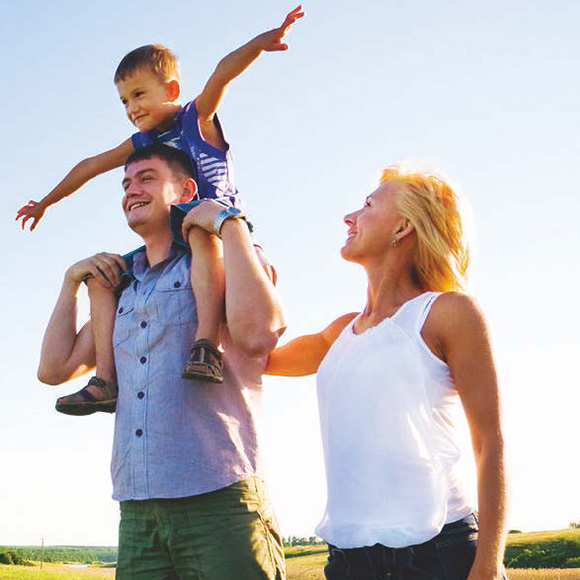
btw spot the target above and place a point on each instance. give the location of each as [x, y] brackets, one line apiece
[228, 534]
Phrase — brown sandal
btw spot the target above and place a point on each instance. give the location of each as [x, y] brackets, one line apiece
[205, 362]
[83, 402]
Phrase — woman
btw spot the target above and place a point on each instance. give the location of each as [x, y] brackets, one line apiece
[389, 380]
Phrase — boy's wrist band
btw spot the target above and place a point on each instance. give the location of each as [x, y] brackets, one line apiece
[222, 216]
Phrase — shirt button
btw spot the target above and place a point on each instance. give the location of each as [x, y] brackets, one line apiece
[176, 284]
[120, 311]
[143, 360]
[140, 394]
[143, 324]
[138, 432]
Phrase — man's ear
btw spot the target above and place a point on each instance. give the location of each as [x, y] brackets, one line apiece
[188, 191]
[173, 90]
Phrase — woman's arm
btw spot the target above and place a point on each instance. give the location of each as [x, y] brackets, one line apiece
[303, 355]
[457, 329]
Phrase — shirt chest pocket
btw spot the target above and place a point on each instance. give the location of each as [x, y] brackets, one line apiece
[174, 301]
[124, 320]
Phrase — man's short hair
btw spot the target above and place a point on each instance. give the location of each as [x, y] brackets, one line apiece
[179, 162]
[156, 58]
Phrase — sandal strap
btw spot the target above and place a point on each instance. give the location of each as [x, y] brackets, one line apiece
[84, 394]
[109, 393]
[84, 402]
[109, 390]
[202, 345]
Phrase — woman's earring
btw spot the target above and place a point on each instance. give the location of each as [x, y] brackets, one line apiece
[394, 242]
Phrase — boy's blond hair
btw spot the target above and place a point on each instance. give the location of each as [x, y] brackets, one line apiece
[432, 207]
[156, 58]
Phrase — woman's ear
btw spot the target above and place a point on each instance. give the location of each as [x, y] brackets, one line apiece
[403, 229]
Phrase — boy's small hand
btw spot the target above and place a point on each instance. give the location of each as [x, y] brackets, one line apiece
[34, 211]
[272, 40]
[203, 216]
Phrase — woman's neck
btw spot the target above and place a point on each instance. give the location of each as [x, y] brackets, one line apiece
[389, 287]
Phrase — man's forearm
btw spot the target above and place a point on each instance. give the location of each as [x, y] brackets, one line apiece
[253, 307]
[60, 338]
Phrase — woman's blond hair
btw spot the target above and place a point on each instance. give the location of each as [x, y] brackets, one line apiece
[432, 207]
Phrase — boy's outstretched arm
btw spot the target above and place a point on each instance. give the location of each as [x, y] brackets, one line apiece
[233, 65]
[74, 180]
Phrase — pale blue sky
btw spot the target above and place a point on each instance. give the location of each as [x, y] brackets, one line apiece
[486, 93]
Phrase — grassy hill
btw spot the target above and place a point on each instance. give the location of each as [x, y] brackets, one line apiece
[554, 549]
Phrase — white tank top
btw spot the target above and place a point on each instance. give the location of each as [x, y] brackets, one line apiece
[386, 406]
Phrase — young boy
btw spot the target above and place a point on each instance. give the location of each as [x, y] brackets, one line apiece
[147, 80]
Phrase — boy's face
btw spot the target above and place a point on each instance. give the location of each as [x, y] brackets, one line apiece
[149, 102]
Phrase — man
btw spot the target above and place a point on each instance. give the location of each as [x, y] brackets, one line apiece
[186, 458]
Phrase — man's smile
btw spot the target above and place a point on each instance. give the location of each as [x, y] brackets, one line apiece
[136, 204]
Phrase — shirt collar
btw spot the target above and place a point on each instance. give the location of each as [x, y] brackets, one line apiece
[141, 266]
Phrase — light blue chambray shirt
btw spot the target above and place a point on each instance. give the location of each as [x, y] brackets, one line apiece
[175, 437]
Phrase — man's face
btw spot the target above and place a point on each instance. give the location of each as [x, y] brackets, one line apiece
[150, 189]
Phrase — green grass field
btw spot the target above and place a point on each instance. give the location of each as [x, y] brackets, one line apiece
[299, 568]
[311, 568]
[54, 572]
[307, 562]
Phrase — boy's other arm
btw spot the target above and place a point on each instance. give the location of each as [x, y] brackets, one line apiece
[233, 65]
[303, 355]
[74, 180]
[66, 353]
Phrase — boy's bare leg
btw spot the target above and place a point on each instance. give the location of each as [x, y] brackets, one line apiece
[101, 392]
[103, 303]
[208, 285]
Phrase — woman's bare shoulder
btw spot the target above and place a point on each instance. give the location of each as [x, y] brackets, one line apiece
[333, 330]
[455, 312]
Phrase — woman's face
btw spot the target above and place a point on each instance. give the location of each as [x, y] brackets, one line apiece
[371, 228]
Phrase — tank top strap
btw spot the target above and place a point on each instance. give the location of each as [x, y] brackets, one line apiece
[412, 315]
[425, 307]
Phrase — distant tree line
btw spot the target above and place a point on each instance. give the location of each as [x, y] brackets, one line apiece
[68, 554]
[11, 557]
[302, 541]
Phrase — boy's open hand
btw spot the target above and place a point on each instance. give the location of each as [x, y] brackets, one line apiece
[34, 211]
[272, 40]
